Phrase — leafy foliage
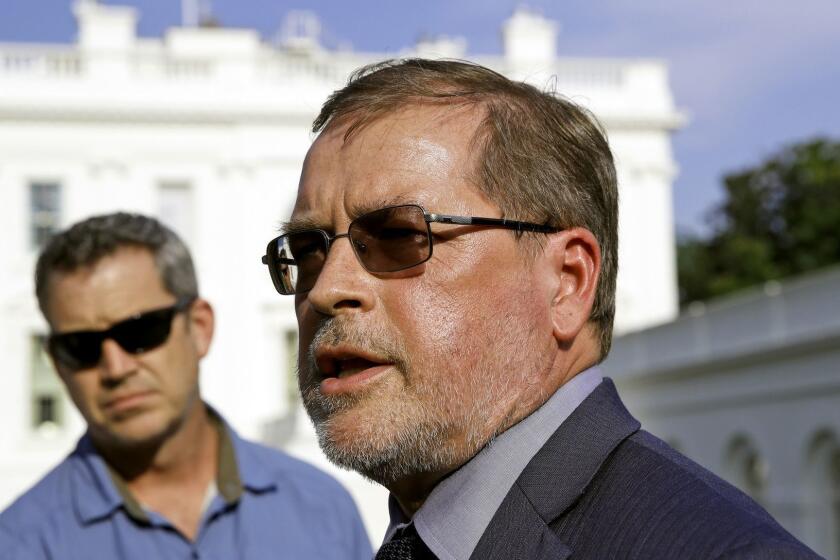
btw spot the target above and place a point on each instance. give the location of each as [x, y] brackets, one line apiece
[777, 219]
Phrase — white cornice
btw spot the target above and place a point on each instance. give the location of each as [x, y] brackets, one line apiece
[165, 116]
[670, 121]
[231, 116]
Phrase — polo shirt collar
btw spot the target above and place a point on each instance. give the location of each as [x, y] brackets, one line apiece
[241, 457]
[99, 490]
[95, 495]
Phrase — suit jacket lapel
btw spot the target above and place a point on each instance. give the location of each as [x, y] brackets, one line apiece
[555, 478]
[517, 532]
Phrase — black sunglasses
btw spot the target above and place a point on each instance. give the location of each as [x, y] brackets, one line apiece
[390, 239]
[141, 332]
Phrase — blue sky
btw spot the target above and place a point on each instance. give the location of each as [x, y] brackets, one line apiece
[752, 75]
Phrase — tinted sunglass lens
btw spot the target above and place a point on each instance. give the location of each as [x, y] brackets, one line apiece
[146, 332]
[391, 239]
[83, 349]
[76, 350]
[385, 240]
[299, 259]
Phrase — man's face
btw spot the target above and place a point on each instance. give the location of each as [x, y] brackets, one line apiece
[128, 399]
[413, 372]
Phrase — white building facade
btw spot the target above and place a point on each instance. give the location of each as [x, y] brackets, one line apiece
[749, 387]
[207, 128]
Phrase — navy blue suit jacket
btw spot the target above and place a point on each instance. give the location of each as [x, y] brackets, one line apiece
[601, 488]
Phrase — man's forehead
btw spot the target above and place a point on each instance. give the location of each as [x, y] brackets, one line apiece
[123, 262]
[306, 217]
[424, 135]
[389, 161]
[114, 286]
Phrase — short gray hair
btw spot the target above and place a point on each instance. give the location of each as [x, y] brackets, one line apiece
[86, 242]
[540, 157]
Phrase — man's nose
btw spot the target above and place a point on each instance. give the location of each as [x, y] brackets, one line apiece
[115, 362]
[343, 283]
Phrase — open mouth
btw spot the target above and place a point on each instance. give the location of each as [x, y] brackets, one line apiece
[352, 366]
[341, 363]
[345, 370]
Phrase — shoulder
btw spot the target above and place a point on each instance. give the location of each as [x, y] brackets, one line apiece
[305, 497]
[648, 465]
[48, 503]
[296, 478]
[262, 465]
[774, 549]
[649, 498]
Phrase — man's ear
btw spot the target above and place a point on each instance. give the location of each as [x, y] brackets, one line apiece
[202, 324]
[575, 257]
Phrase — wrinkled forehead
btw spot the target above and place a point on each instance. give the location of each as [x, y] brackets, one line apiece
[419, 154]
[112, 287]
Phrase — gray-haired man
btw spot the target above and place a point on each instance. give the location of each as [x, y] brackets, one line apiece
[453, 253]
[158, 474]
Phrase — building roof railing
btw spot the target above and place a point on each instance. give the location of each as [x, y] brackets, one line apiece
[68, 61]
[623, 93]
[38, 61]
[776, 317]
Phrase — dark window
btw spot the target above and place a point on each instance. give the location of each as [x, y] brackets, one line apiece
[44, 211]
[46, 410]
[47, 394]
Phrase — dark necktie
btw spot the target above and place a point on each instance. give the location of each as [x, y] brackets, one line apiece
[406, 544]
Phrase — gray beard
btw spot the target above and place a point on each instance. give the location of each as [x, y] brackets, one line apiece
[405, 446]
[407, 451]
[434, 423]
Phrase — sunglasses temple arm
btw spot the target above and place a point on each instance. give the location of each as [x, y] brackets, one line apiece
[280, 261]
[447, 219]
[474, 221]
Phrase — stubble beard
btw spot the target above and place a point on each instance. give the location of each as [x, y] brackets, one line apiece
[407, 424]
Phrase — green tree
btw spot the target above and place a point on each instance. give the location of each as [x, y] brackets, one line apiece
[777, 219]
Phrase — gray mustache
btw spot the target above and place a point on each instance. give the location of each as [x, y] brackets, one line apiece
[376, 340]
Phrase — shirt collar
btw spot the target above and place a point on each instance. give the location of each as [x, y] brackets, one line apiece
[459, 509]
[100, 490]
[95, 494]
[242, 457]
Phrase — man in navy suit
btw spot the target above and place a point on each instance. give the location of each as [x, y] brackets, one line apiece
[453, 253]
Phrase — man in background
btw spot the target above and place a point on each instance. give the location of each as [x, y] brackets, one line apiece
[453, 255]
[159, 474]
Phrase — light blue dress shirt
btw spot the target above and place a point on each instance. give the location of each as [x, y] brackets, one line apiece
[283, 509]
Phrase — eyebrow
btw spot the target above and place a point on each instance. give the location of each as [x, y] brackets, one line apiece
[365, 207]
[304, 223]
[299, 224]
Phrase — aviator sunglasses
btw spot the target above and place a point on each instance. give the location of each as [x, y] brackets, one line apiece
[141, 332]
[389, 239]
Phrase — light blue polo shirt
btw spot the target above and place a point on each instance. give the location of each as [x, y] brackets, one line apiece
[266, 505]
